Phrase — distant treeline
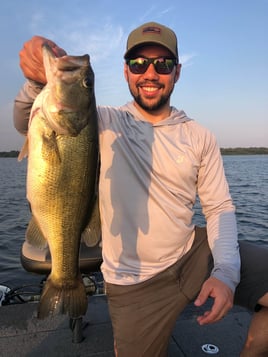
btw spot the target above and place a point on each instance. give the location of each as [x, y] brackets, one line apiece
[245, 151]
[224, 151]
[12, 153]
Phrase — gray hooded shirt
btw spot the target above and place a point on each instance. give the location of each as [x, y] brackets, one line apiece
[150, 177]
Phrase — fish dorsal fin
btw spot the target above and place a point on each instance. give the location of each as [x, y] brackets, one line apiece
[48, 58]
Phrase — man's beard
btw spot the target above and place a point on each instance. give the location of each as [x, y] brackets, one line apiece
[154, 106]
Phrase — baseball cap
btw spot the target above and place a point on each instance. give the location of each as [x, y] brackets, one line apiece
[152, 33]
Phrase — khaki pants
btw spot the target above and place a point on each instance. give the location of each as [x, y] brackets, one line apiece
[143, 315]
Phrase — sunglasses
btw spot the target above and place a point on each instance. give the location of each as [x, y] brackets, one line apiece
[162, 65]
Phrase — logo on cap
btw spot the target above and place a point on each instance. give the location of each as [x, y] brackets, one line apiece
[151, 29]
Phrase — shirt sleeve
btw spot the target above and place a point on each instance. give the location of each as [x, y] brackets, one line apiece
[23, 104]
[219, 211]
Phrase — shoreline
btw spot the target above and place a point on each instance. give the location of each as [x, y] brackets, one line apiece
[224, 151]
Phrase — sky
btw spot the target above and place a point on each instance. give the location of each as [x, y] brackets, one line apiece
[223, 49]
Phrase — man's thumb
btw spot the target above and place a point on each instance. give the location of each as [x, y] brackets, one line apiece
[201, 298]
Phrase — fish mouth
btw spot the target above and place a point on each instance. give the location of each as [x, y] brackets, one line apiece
[66, 62]
[72, 63]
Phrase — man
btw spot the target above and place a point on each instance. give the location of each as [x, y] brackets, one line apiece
[154, 161]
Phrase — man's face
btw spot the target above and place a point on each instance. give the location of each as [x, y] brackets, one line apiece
[151, 90]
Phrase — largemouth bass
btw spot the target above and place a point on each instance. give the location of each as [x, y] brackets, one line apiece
[62, 149]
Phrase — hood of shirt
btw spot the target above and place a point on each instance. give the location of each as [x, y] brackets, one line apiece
[176, 116]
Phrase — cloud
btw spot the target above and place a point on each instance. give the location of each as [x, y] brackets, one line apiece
[36, 21]
[147, 13]
[187, 59]
[100, 44]
[155, 13]
[99, 38]
[165, 11]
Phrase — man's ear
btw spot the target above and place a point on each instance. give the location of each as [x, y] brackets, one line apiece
[126, 72]
[178, 72]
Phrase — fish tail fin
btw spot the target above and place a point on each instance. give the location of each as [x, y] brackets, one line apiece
[60, 299]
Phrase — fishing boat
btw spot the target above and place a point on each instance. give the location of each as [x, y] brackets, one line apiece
[23, 334]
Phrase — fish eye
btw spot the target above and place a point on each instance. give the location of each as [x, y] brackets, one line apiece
[86, 82]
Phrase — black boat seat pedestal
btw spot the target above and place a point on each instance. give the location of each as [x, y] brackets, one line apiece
[38, 261]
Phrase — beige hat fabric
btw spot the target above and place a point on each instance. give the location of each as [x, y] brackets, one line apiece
[152, 33]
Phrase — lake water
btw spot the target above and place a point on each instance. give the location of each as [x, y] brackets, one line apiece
[247, 177]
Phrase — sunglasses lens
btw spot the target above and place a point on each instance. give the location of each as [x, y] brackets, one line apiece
[162, 65]
[138, 65]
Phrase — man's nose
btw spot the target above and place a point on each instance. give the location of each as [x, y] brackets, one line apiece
[151, 72]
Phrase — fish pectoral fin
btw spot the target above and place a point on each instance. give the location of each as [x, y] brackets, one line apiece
[91, 236]
[92, 233]
[34, 236]
[24, 150]
[50, 147]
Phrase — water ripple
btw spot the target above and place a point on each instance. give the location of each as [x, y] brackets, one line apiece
[247, 177]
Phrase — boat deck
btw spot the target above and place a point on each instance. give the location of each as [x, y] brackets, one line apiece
[22, 334]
